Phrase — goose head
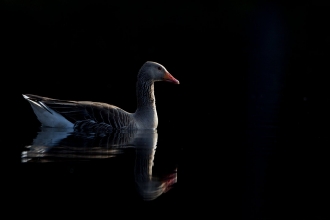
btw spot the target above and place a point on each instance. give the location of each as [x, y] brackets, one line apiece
[152, 71]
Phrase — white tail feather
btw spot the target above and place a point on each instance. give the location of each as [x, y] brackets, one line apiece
[47, 116]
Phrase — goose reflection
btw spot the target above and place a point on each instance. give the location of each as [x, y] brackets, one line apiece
[55, 145]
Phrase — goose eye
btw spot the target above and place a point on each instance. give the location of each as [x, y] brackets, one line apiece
[159, 68]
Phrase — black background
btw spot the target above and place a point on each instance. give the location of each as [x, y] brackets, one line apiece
[229, 56]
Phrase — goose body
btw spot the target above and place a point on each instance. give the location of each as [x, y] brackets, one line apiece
[103, 117]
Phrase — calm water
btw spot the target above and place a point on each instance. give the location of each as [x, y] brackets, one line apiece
[129, 167]
[125, 159]
[260, 169]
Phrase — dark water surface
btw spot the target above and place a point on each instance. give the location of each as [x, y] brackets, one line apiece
[116, 159]
[260, 172]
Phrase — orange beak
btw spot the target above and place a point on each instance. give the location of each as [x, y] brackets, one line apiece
[169, 78]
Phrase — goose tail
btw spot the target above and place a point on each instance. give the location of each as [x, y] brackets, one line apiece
[47, 116]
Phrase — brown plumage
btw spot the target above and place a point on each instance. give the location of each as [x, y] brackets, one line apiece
[103, 117]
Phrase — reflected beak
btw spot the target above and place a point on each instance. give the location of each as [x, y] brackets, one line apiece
[169, 78]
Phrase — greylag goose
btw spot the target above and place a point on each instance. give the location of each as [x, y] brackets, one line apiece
[103, 117]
